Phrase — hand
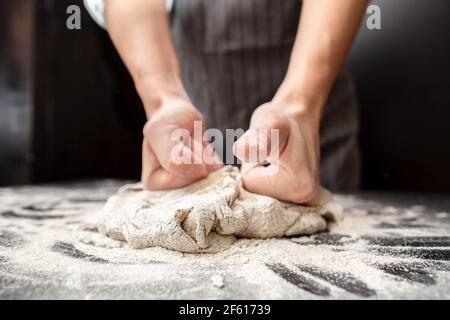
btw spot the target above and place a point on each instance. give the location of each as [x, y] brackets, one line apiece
[160, 170]
[293, 171]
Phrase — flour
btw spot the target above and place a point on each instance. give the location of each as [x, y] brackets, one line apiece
[217, 281]
[56, 253]
[208, 215]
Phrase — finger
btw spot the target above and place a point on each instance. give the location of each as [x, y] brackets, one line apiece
[260, 143]
[149, 161]
[288, 177]
[173, 148]
[270, 181]
[210, 157]
[277, 181]
[246, 148]
[155, 177]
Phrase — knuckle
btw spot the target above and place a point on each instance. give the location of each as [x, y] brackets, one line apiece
[146, 128]
[240, 148]
[269, 119]
[306, 189]
[170, 165]
[250, 186]
[150, 127]
[148, 183]
[275, 121]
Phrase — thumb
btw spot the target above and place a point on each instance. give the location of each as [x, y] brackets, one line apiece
[155, 177]
[211, 159]
[253, 146]
[176, 153]
[262, 142]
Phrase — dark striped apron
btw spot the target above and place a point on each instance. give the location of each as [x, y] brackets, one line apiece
[234, 55]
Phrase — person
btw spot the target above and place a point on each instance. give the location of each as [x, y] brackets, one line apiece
[252, 64]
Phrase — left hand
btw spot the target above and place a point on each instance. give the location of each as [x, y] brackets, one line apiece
[293, 174]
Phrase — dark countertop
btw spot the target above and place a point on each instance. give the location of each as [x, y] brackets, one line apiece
[390, 246]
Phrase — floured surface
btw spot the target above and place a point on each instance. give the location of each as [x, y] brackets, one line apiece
[387, 247]
[208, 215]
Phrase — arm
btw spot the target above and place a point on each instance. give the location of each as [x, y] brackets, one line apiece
[141, 33]
[326, 31]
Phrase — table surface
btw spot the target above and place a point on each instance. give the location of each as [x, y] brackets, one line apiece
[390, 246]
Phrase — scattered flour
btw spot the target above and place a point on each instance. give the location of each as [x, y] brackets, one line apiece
[63, 253]
[218, 281]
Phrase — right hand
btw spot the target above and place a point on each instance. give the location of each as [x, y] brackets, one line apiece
[159, 170]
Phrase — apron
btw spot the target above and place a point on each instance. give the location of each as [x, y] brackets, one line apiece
[234, 55]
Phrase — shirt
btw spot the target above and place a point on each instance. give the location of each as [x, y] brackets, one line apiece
[96, 9]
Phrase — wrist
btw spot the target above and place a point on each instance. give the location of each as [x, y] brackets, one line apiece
[311, 99]
[155, 90]
[302, 108]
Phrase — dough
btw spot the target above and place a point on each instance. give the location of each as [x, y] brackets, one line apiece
[208, 215]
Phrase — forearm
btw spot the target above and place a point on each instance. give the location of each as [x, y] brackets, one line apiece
[326, 31]
[141, 33]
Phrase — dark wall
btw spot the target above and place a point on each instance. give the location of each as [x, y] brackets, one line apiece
[85, 103]
[402, 74]
[15, 73]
